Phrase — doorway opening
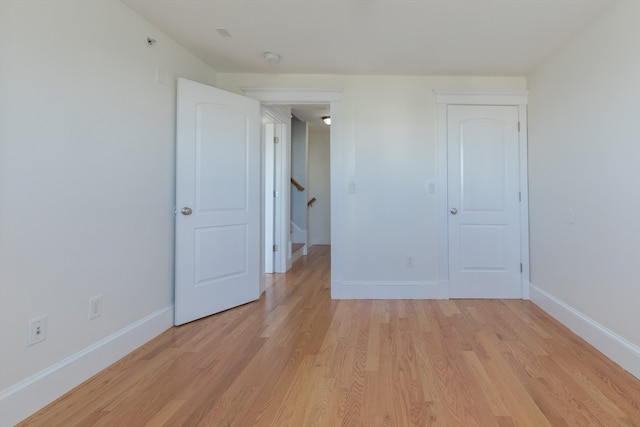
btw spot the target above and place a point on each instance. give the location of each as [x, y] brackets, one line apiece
[297, 203]
[310, 162]
[288, 96]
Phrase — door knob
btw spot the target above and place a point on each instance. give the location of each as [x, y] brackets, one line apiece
[186, 211]
[454, 211]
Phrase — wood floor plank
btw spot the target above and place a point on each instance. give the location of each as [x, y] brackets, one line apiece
[521, 404]
[491, 393]
[162, 416]
[297, 358]
[458, 408]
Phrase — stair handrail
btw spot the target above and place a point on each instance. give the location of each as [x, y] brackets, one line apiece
[297, 184]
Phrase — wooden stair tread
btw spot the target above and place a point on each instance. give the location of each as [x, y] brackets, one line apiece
[296, 246]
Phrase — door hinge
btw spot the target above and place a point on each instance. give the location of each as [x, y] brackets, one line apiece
[518, 126]
[277, 140]
[520, 267]
[275, 248]
[519, 196]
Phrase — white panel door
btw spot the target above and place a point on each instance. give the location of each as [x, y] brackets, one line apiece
[218, 201]
[483, 199]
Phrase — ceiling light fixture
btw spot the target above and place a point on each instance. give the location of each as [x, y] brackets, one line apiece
[271, 58]
[327, 120]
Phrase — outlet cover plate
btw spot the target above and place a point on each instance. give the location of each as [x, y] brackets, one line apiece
[37, 330]
[95, 306]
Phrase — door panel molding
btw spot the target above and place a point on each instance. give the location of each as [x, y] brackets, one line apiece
[517, 98]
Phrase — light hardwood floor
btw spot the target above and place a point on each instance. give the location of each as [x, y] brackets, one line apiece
[297, 358]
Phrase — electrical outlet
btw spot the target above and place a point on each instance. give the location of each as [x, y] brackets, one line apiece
[409, 261]
[37, 330]
[95, 307]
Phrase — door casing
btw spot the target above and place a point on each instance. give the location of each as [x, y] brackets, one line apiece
[277, 119]
[279, 96]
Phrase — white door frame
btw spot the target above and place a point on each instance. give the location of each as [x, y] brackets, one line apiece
[285, 96]
[268, 195]
[280, 117]
[467, 97]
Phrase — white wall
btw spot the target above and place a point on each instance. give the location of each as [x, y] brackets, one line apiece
[87, 187]
[299, 147]
[319, 225]
[584, 156]
[87, 172]
[385, 140]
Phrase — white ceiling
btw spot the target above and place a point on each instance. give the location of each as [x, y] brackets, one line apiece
[407, 37]
[312, 114]
[410, 37]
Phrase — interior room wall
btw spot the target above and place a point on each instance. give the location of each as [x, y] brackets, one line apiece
[584, 157]
[87, 187]
[386, 141]
[87, 178]
[319, 225]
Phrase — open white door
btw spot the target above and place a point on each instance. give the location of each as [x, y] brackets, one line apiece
[218, 201]
[484, 201]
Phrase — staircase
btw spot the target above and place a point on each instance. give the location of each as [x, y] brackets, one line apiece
[298, 250]
[298, 247]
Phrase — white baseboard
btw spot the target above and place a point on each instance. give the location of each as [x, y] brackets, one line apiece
[320, 240]
[25, 398]
[616, 348]
[388, 290]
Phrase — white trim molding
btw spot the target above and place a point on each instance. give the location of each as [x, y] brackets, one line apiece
[389, 290]
[517, 98]
[28, 396]
[279, 113]
[482, 97]
[615, 347]
[293, 95]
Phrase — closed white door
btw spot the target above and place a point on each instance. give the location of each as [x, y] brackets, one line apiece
[218, 201]
[483, 201]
